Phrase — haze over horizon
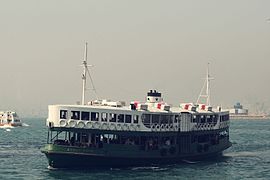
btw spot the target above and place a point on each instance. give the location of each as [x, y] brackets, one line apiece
[134, 46]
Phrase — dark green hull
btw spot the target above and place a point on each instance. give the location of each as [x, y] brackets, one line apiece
[68, 157]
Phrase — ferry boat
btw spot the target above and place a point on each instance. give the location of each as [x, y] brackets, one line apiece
[106, 133]
[9, 119]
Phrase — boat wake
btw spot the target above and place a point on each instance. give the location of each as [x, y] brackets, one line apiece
[153, 168]
[190, 162]
[25, 125]
[241, 154]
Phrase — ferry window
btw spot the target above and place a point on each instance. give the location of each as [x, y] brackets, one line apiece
[155, 118]
[203, 118]
[128, 118]
[112, 117]
[135, 119]
[63, 114]
[194, 119]
[176, 118]
[215, 117]
[94, 116]
[171, 119]
[85, 115]
[120, 118]
[146, 118]
[209, 119]
[165, 119]
[104, 117]
[75, 115]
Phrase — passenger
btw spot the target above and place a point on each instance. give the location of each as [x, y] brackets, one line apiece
[72, 141]
[168, 142]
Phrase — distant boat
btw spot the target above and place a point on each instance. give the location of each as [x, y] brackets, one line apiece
[9, 119]
[108, 133]
[238, 112]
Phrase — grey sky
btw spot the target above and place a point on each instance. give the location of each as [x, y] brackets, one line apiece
[134, 46]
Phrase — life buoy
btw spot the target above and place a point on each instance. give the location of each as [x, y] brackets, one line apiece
[71, 123]
[112, 127]
[89, 124]
[137, 127]
[80, 124]
[118, 127]
[63, 123]
[125, 127]
[104, 126]
[96, 125]
[132, 127]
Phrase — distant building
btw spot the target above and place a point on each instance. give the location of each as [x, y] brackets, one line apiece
[238, 110]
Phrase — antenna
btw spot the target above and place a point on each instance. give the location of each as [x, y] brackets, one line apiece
[206, 86]
[84, 74]
[86, 70]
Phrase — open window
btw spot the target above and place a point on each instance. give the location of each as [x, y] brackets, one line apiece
[85, 116]
[94, 116]
[75, 115]
[63, 114]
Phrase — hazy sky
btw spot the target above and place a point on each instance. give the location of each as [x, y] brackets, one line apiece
[134, 46]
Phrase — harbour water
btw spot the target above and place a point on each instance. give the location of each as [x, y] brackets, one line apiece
[248, 158]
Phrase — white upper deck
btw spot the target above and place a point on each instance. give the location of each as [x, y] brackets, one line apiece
[153, 115]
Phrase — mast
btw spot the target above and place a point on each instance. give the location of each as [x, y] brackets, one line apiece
[84, 64]
[206, 86]
[85, 73]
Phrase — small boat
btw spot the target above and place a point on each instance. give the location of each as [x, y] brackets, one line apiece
[106, 133]
[9, 119]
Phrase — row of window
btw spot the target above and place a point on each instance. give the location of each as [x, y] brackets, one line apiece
[225, 117]
[205, 119]
[159, 119]
[97, 116]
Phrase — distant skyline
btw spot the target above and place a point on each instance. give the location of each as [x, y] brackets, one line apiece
[134, 46]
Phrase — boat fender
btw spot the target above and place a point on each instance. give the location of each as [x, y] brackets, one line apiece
[63, 123]
[163, 152]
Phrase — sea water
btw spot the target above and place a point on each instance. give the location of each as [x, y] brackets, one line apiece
[248, 158]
